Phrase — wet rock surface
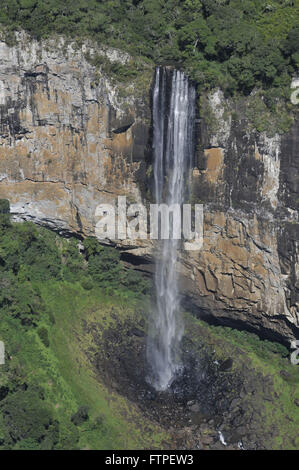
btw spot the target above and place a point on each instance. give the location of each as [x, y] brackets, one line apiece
[209, 405]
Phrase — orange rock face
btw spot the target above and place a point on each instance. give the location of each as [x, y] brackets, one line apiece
[69, 141]
[59, 154]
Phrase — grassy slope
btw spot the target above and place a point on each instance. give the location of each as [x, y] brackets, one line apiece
[64, 376]
[280, 411]
[67, 377]
[70, 309]
[69, 380]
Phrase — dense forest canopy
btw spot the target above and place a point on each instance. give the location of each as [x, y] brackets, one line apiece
[238, 44]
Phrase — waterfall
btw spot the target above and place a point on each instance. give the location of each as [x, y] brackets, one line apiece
[173, 124]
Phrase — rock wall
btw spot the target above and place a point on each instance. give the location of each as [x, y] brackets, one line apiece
[67, 143]
[71, 138]
[247, 271]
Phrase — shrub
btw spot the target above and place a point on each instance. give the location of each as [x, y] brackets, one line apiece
[80, 416]
[73, 261]
[4, 215]
[87, 283]
[136, 282]
[4, 206]
[105, 267]
[92, 247]
[44, 335]
[25, 416]
[43, 257]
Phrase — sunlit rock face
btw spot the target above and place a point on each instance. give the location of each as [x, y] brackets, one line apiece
[67, 143]
[71, 138]
[247, 271]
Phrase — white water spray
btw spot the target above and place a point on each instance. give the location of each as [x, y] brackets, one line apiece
[173, 124]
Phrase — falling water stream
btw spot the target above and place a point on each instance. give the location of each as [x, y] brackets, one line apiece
[173, 123]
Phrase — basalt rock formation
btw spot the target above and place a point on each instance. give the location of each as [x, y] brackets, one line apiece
[67, 143]
[72, 138]
[248, 182]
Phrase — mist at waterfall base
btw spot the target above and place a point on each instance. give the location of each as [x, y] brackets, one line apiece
[173, 128]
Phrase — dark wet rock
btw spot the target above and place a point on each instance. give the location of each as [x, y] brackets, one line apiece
[234, 437]
[201, 400]
[217, 421]
[218, 446]
[196, 418]
[195, 408]
[207, 440]
[190, 403]
[80, 416]
[226, 365]
[137, 332]
[235, 404]
[199, 446]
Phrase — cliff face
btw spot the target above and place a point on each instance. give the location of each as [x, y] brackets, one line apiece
[247, 270]
[66, 142]
[70, 139]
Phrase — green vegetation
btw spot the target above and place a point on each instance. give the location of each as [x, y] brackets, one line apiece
[265, 115]
[279, 404]
[237, 44]
[56, 306]
[50, 394]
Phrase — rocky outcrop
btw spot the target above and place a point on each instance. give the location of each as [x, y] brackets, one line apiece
[71, 138]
